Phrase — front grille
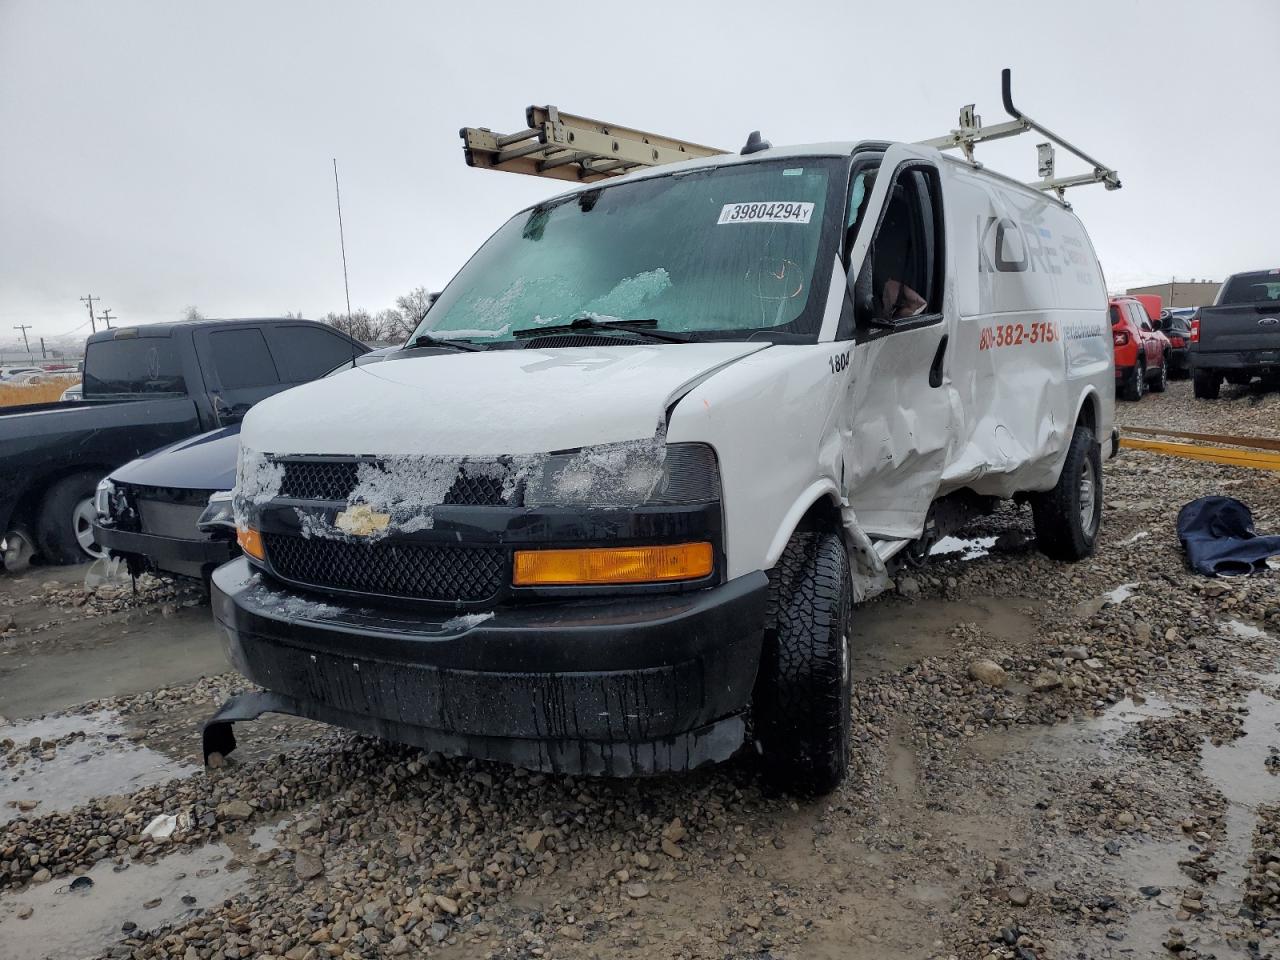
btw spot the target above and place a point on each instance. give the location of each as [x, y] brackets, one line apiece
[478, 484]
[397, 569]
[319, 479]
[174, 520]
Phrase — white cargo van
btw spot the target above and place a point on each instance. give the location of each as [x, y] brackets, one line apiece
[611, 510]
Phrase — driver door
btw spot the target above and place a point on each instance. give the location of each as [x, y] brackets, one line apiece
[905, 414]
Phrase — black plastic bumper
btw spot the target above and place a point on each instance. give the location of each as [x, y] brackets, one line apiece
[186, 557]
[1259, 361]
[617, 686]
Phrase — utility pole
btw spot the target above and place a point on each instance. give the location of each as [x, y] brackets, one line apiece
[24, 327]
[105, 317]
[1171, 293]
[43, 353]
[89, 300]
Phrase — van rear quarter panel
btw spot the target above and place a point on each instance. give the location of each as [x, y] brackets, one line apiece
[1032, 340]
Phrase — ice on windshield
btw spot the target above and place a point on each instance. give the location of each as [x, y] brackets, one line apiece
[660, 248]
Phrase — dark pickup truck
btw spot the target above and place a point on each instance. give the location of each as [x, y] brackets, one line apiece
[1238, 338]
[144, 387]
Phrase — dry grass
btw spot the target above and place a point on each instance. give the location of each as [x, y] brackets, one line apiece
[13, 394]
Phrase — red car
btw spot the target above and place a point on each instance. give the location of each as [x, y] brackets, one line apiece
[1142, 351]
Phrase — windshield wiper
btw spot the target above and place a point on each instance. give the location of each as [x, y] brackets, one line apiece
[646, 329]
[427, 340]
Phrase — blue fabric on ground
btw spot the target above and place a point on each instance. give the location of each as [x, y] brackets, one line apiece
[1218, 535]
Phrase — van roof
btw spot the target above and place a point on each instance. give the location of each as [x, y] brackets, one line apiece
[840, 148]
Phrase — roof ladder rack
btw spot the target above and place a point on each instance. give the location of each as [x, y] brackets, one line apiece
[568, 147]
[971, 132]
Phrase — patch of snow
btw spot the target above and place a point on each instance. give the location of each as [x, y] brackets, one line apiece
[1121, 593]
[630, 293]
[258, 480]
[467, 621]
[969, 548]
[1141, 534]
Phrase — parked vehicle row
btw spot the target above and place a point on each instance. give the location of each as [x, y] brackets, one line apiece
[143, 387]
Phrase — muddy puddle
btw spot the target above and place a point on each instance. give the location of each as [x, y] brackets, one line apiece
[1150, 872]
[71, 923]
[890, 635]
[79, 757]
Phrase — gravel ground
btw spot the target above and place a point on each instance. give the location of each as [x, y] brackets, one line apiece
[1051, 761]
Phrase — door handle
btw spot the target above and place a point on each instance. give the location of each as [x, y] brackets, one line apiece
[935, 369]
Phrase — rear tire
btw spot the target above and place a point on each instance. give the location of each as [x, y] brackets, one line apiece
[1137, 383]
[1206, 384]
[1068, 517]
[803, 689]
[61, 532]
[1161, 380]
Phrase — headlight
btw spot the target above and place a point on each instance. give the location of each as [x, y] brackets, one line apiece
[219, 513]
[626, 474]
[102, 498]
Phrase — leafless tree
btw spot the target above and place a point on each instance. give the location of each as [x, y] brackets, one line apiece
[191, 313]
[413, 306]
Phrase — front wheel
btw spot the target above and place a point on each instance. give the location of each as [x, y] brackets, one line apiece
[803, 689]
[1206, 384]
[1067, 517]
[64, 528]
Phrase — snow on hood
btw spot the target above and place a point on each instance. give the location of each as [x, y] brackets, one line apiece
[490, 403]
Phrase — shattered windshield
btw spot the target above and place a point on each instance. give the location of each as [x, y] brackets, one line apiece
[719, 252]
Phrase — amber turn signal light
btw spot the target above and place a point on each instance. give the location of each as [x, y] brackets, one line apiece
[663, 564]
[250, 541]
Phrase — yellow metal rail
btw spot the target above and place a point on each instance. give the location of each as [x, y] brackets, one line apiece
[1253, 459]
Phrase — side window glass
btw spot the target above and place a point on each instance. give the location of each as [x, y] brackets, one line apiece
[308, 352]
[901, 279]
[241, 359]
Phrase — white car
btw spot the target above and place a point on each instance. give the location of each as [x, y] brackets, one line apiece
[612, 510]
[17, 373]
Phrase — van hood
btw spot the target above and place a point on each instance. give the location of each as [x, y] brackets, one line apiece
[488, 403]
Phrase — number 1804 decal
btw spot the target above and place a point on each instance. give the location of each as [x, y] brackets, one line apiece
[1017, 334]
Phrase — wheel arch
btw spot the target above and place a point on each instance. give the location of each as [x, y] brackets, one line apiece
[817, 508]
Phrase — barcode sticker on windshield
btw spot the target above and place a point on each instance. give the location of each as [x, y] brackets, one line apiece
[777, 211]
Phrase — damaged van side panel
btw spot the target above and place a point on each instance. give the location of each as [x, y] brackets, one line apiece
[1031, 335]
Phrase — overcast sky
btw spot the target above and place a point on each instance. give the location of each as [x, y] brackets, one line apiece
[161, 154]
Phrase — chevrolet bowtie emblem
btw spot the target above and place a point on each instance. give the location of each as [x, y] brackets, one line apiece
[362, 520]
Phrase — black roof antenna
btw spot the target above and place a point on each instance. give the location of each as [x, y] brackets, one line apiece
[755, 144]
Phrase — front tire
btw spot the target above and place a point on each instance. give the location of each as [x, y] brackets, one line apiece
[1206, 384]
[64, 528]
[804, 690]
[1067, 518]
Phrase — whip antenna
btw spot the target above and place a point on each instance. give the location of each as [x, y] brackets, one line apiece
[342, 240]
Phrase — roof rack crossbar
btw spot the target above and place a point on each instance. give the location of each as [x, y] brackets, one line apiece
[970, 131]
[568, 147]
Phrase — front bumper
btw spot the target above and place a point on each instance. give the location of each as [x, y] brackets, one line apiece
[618, 686]
[188, 558]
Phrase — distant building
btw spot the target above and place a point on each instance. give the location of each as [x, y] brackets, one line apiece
[1182, 293]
